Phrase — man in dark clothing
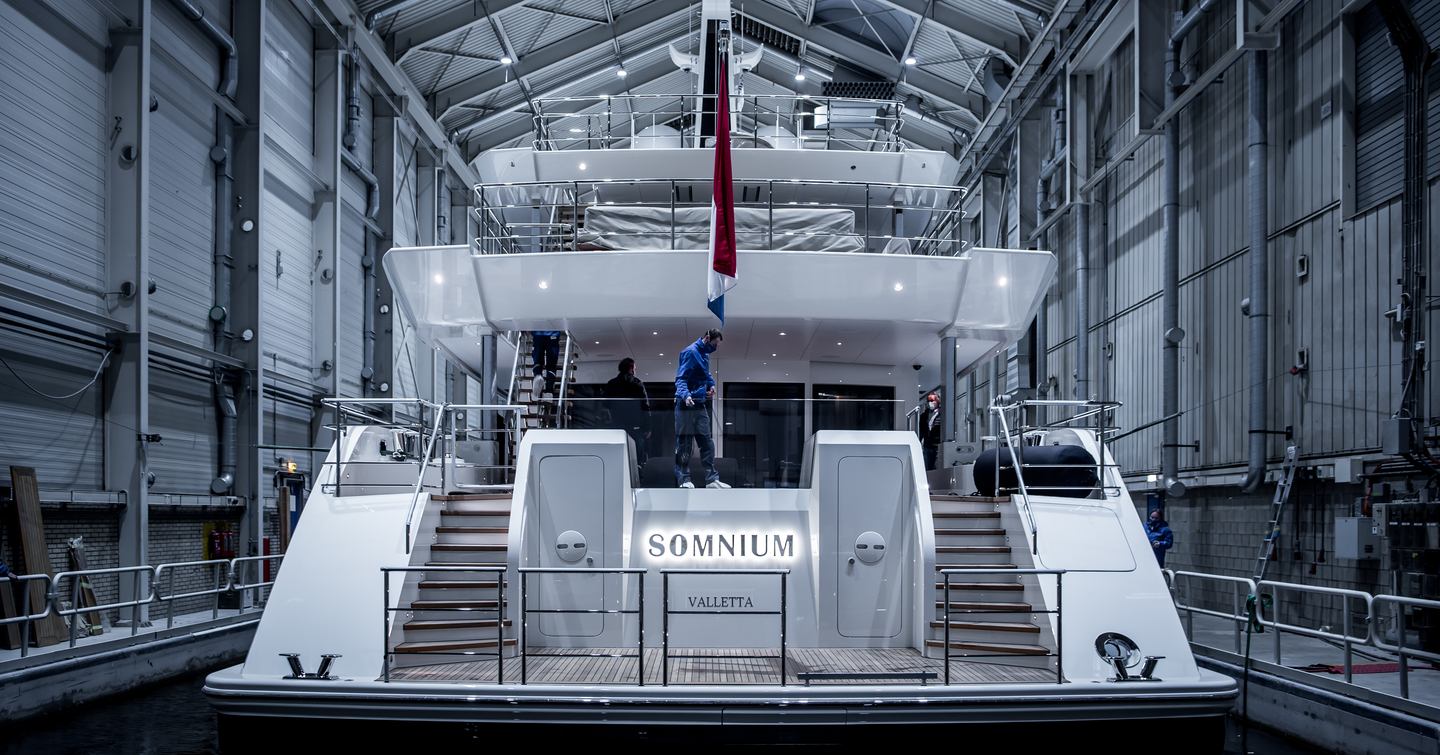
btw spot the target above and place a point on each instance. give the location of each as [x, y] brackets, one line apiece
[932, 430]
[1161, 538]
[629, 406]
[694, 387]
[544, 355]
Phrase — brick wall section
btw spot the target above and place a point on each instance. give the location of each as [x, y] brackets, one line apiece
[1219, 531]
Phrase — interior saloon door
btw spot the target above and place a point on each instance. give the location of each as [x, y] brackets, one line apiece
[871, 556]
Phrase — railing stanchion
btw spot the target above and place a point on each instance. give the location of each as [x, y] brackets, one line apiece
[784, 581]
[524, 625]
[640, 657]
[500, 627]
[385, 625]
[946, 653]
[1059, 628]
[665, 627]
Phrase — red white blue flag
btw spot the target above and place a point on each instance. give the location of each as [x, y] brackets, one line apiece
[722, 206]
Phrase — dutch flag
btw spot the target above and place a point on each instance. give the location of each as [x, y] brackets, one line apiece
[722, 204]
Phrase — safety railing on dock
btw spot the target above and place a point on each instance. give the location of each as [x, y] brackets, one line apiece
[1377, 627]
[525, 217]
[70, 594]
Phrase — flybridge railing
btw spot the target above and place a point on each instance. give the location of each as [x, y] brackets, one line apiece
[761, 121]
[673, 213]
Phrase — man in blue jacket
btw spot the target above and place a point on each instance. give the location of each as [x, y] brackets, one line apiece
[1161, 537]
[694, 387]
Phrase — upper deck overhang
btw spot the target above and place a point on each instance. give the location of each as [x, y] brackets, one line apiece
[882, 309]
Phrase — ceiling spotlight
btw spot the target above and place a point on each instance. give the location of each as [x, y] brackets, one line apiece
[597, 343]
[799, 73]
[899, 286]
[654, 332]
[1002, 281]
[782, 332]
[506, 60]
[910, 61]
[439, 278]
[839, 343]
[577, 130]
[621, 72]
[774, 355]
[544, 285]
[583, 166]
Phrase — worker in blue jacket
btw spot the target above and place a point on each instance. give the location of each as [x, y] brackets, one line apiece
[694, 387]
[1161, 538]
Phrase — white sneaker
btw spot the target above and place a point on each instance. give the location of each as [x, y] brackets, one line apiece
[716, 484]
[688, 484]
[537, 387]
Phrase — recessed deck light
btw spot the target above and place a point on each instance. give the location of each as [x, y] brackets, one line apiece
[583, 166]
[1002, 281]
[439, 278]
[544, 284]
[899, 286]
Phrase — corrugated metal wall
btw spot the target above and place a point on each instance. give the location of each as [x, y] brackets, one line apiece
[52, 106]
[182, 185]
[287, 259]
[53, 99]
[1335, 312]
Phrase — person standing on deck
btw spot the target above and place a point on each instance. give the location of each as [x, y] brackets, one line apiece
[630, 406]
[694, 387]
[931, 430]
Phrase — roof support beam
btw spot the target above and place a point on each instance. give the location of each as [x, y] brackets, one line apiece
[504, 126]
[469, 14]
[545, 60]
[868, 57]
[1003, 42]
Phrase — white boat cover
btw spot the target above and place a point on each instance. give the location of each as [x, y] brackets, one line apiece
[795, 229]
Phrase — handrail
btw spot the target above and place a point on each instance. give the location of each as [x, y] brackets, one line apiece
[1400, 649]
[665, 611]
[27, 618]
[1345, 637]
[1059, 612]
[1237, 617]
[525, 611]
[499, 571]
[1019, 478]
[76, 609]
[564, 381]
[420, 478]
[221, 574]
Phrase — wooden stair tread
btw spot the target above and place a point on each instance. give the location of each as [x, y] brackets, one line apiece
[995, 586]
[465, 563]
[965, 514]
[411, 626]
[435, 646]
[459, 584]
[472, 497]
[982, 607]
[467, 547]
[950, 531]
[969, 499]
[972, 549]
[452, 529]
[989, 648]
[975, 566]
[987, 626]
[436, 605]
[477, 512]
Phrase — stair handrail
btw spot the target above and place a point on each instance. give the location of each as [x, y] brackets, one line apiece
[564, 381]
[999, 411]
[441, 410]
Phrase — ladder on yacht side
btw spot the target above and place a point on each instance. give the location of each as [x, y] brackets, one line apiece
[1277, 510]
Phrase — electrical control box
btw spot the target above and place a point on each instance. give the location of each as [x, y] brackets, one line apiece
[1356, 538]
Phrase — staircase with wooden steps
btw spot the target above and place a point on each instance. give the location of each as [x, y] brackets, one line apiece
[455, 615]
[540, 410]
[990, 614]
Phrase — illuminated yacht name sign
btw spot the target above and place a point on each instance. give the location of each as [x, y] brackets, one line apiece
[716, 545]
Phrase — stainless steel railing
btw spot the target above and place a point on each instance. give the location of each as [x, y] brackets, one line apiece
[145, 589]
[772, 121]
[667, 612]
[1359, 629]
[498, 571]
[526, 610]
[1059, 653]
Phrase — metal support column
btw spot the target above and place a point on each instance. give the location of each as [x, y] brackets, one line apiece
[328, 284]
[462, 224]
[948, 410]
[387, 323]
[246, 289]
[127, 211]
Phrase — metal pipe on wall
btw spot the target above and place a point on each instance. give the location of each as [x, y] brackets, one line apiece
[1257, 148]
[368, 262]
[1082, 301]
[1170, 265]
[222, 245]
